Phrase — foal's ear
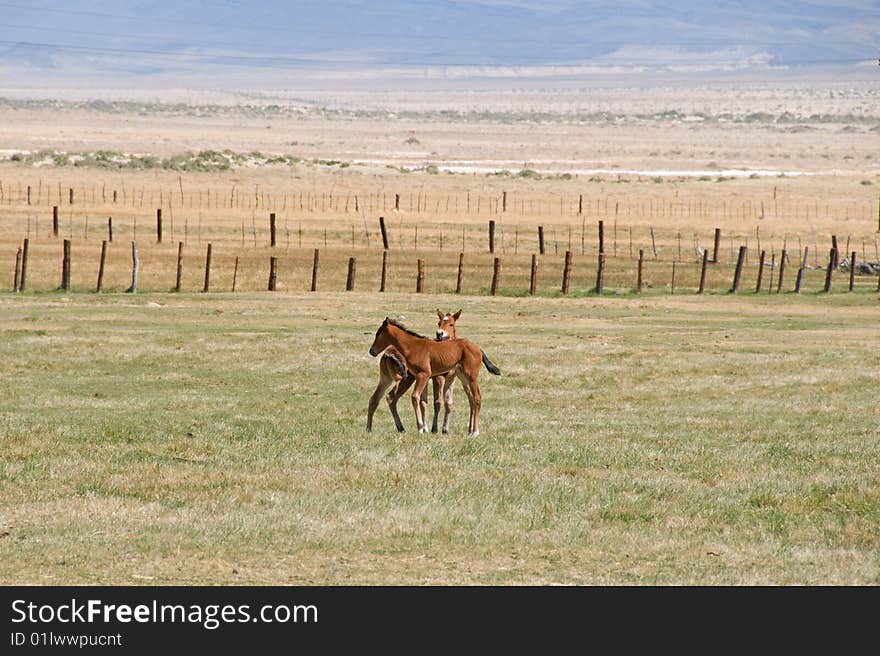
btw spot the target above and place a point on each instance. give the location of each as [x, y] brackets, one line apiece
[456, 315]
[439, 314]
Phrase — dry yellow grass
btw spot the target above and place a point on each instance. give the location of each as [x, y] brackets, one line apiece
[666, 224]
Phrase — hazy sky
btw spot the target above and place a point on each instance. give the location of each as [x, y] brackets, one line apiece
[441, 38]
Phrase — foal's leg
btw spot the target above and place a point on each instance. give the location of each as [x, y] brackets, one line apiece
[385, 381]
[478, 403]
[421, 383]
[438, 392]
[394, 396]
[449, 380]
[423, 404]
[465, 383]
[472, 389]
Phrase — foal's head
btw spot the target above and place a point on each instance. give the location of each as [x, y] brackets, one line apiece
[381, 341]
[446, 325]
[385, 337]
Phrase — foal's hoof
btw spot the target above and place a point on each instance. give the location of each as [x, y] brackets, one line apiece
[474, 434]
[446, 431]
[434, 430]
[423, 430]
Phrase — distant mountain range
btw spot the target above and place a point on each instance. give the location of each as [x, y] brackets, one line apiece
[419, 39]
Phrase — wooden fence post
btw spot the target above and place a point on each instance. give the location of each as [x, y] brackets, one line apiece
[601, 236]
[110, 229]
[533, 280]
[800, 274]
[639, 277]
[717, 246]
[272, 229]
[100, 284]
[781, 271]
[235, 273]
[273, 272]
[384, 270]
[703, 272]
[834, 247]
[496, 274]
[65, 266]
[179, 266]
[832, 256]
[737, 274]
[135, 265]
[460, 271]
[70, 195]
[420, 276]
[315, 271]
[159, 225]
[397, 201]
[541, 239]
[491, 236]
[761, 271]
[349, 282]
[384, 233]
[22, 280]
[503, 201]
[207, 269]
[566, 272]
[852, 270]
[600, 275]
[15, 280]
[54, 220]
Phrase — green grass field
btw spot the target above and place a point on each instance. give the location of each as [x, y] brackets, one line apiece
[202, 439]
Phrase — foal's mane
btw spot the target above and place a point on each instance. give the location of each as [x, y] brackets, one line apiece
[397, 324]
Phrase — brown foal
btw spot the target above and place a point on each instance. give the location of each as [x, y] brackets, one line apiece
[393, 374]
[427, 358]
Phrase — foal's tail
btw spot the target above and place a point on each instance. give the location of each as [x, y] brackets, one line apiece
[491, 367]
[398, 363]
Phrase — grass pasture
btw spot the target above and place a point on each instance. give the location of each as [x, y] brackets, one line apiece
[201, 439]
